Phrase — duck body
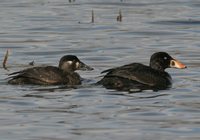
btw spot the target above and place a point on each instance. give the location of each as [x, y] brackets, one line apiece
[142, 77]
[136, 76]
[48, 75]
[63, 75]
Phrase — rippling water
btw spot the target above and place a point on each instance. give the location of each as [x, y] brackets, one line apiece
[45, 30]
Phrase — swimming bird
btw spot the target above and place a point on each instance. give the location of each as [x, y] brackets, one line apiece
[138, 77]
[64, 74]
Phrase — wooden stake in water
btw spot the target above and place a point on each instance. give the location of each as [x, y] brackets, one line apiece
[92, 16]
[5, 59]
[119, 17]
[71, 1]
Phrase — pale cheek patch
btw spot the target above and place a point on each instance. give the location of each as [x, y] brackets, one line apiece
[77, 64]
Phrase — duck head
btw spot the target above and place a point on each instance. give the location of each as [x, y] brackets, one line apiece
[71, 63]
[162, 60]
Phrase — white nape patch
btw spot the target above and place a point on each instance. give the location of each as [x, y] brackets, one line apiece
[77, 64]
[69, 62]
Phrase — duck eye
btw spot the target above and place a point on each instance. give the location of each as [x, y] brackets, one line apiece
[165, 58]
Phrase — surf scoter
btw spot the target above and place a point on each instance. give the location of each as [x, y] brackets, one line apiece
[136, 76]
[63, 74]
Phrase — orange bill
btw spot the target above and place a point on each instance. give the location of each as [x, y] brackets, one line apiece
[176, 64]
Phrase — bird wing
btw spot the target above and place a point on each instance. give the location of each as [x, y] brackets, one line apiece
[135, 72]
[49, 74]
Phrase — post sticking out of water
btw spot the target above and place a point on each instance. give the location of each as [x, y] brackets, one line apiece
[71, 1]
[5, 59]
[119, 17]
[92, 16]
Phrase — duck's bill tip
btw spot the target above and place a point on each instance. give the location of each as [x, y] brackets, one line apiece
[176, 64]
[89, 68]
[85, 67]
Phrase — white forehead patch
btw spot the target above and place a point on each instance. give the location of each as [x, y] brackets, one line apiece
[69, 62]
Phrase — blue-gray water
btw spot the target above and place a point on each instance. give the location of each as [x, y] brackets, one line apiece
[45, 30]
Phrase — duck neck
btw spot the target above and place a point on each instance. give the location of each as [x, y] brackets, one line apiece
[157, 66]
[66, 69]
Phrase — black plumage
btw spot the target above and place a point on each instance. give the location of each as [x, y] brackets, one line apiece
[142, 77]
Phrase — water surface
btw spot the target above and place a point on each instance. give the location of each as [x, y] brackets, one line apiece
[45, 30]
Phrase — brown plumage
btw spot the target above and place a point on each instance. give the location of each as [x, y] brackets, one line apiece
[50, 75]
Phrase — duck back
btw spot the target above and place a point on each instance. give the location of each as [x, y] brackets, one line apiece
[44, 76]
